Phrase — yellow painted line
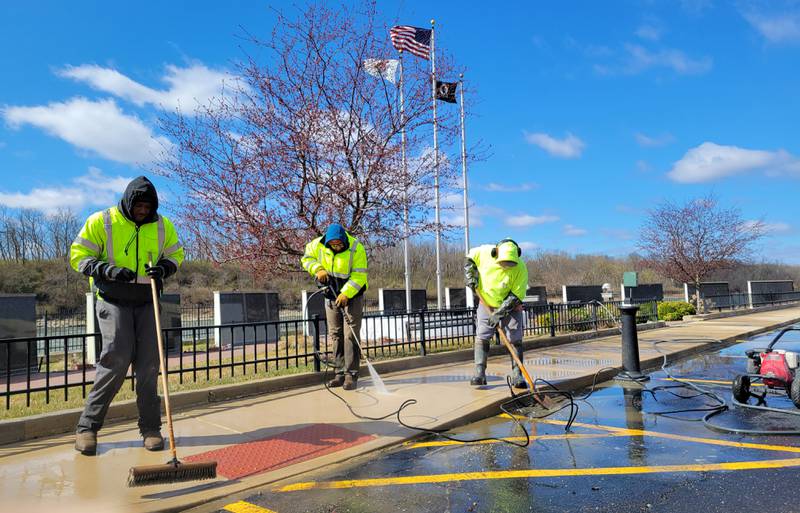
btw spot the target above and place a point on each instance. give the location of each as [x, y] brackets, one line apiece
[682, 438]
[537, 473]
[713, 381]
[572, 436]
[246, 507]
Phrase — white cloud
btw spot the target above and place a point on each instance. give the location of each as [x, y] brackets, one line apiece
[188, 87]
[711, 161]
[527, 220]
[647, 141]
[768, 228]
[628, 209]
[641, 59]
[569, 148]
[775, 27]
[649, 32]
[643, 166]
[92, 189]
[574, 231]
[528, 245]
[522, 187]
[453, 211]
[618, 233]
[696, 7]
[97, 126]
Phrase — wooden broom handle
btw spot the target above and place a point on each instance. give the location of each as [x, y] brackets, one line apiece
[508, 345]
[162, 360]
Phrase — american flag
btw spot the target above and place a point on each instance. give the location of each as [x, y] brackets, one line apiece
[414, 40]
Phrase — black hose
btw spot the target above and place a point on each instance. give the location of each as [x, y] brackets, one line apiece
[723, 405]
[408, 402]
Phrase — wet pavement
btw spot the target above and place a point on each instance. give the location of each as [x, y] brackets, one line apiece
[622, 454]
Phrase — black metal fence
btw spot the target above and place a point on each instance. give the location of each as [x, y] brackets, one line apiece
[60, 322]
[737, 300]
[59, 365]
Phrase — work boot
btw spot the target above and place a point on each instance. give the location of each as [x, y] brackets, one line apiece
[337, 381]
[86, 443]
[153, 441]
[478, 380]
[350, 382]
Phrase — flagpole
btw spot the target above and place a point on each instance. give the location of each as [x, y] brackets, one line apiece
[405, 186]
[464, 168]
[436, 175]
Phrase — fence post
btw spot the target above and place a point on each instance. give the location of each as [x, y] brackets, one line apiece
[317, 363]
[551, 313]
[422, 348]
[594, 315]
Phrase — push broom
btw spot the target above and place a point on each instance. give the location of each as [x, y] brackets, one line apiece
[173, 471]
[543, 400]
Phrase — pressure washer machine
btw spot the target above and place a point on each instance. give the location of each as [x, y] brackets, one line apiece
[776, 369]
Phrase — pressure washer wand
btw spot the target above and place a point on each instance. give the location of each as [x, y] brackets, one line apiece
[376, 378]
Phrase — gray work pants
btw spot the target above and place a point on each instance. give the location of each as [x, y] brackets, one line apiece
[512, 325]
[129, 337]
[346, 352]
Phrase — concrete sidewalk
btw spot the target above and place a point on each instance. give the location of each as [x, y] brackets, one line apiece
[309, 428]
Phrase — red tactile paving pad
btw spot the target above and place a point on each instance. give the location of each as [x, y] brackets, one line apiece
[281, 450]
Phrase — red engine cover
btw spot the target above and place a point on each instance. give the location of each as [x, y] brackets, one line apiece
[773, 365]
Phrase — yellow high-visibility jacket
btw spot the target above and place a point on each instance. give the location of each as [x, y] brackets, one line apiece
[495, 282]
[109, 236]
[348, 268]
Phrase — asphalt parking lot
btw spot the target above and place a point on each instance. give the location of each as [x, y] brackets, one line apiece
[621, 454]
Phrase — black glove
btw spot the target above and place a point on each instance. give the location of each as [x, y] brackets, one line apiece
[471, 274]
[162, 270]
[115, 273]
[155, 271]
[501, 312]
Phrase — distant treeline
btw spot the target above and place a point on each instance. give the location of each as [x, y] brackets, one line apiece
[58, 286]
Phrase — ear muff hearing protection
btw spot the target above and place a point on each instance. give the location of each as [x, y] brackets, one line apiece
[494, 249]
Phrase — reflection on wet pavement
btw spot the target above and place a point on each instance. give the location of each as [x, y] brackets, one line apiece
[619, 456]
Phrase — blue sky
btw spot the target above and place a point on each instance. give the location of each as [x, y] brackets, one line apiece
[594, 111]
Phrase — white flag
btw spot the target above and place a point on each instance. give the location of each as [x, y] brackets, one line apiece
[382, 68]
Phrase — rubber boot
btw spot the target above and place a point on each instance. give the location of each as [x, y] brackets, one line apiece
[517, 379]
[481, 354]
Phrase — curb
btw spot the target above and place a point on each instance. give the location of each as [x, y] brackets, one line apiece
[64, 421]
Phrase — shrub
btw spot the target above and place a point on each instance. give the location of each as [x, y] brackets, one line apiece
[674, 310]
[573, 319]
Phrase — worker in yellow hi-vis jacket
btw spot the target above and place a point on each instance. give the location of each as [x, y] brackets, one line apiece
[113, 249]
[500, 276]
[338, 261]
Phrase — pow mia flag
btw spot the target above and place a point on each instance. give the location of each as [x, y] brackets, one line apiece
[446, 91]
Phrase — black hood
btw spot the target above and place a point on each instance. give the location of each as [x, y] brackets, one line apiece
[140, 189]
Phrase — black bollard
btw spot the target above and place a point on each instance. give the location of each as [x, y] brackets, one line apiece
[631, 367]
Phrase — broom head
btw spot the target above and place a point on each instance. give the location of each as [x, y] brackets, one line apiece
[172, 472]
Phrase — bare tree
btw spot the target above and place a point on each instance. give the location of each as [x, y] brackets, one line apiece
[689, 242]
[304, 138]
[62, 226]
[32, 235]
